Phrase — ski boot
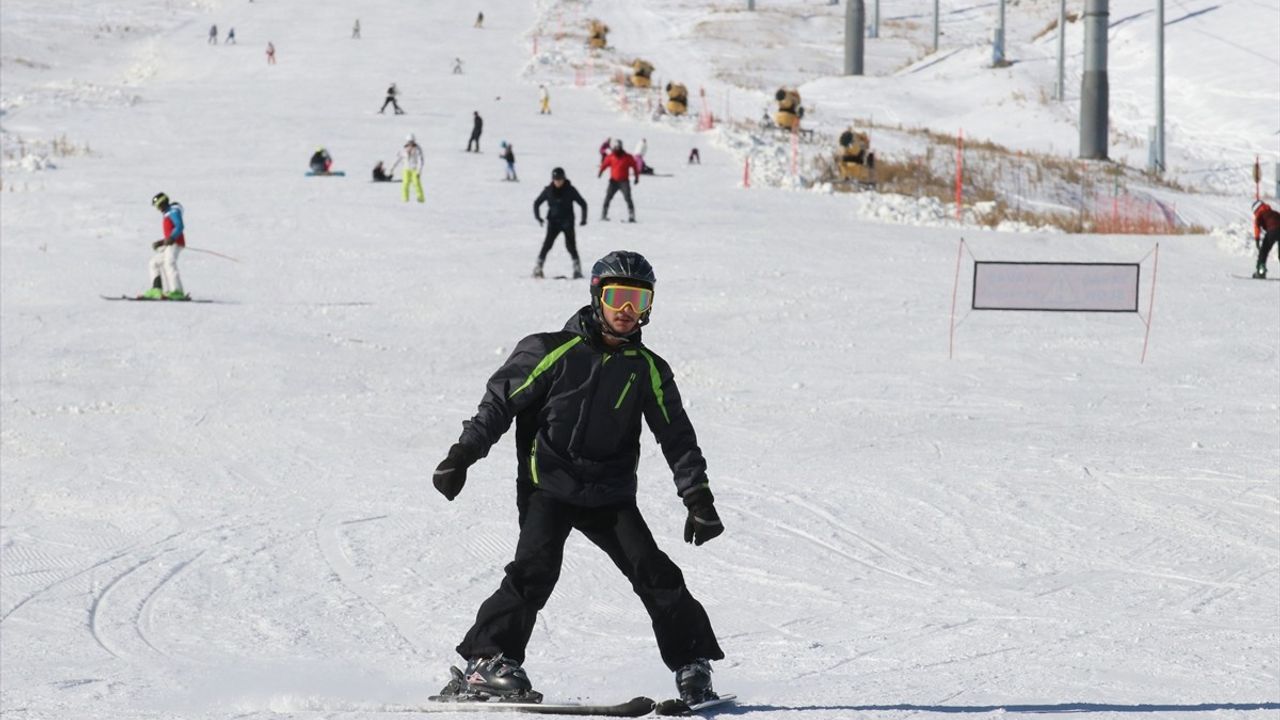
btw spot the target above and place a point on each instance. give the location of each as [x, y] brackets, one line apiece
[631, 217]
[176, 295]
[537, 271]
[693, 681]
[577, 270]
[154, 293]
[496, 678]
[1260, 273]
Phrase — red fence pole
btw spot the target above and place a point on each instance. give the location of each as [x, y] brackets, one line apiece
[1155, 265]
[959, 174]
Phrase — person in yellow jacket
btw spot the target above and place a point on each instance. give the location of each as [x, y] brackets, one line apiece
[544, 98]
[411, 156]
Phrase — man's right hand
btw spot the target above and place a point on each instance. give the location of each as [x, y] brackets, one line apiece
[157, 244]
[451, 474]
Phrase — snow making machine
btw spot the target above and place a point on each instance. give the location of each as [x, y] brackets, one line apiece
[641, 73]
[854, 161]
[597, 34]
[677, 99]
[789, 109]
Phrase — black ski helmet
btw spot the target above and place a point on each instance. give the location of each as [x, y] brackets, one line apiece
[160, 201]
[557, 174]
[621, 265]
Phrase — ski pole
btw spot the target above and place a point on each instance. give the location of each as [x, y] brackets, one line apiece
[210, 252]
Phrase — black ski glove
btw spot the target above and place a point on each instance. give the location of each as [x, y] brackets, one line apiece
[451, 474]
[157, 244]
[584, 221]
[703, 523]
[539, 222]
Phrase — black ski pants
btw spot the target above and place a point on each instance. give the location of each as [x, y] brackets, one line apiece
[614, 187]
[394, 105]
[570, 240]
[1269, 240]
[475, 140]
[505, 621]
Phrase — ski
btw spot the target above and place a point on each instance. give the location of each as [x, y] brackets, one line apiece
[1247, 277]
[636, 707]
[331, 173]
[678, 707]
[139, 298]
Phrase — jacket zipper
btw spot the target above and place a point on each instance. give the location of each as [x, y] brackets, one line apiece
[625, 389]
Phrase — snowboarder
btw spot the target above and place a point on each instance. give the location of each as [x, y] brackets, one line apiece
[619, 164]
[271, 53]
[509, 155]
[213, 34]
[380, 174]
[391, 100]
[544, 100]
[695, 157]
[355, 30]
[166, 284]
[320, 161]
[576, 469]
[477, 126]
[559, 196]
[411, 156]
[231, 36]
[1266, 234]
[457, 66]
[479, 20]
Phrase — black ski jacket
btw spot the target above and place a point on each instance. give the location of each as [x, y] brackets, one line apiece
[559, 204]
[577, 405]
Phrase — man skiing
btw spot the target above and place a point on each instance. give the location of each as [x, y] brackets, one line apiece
[477, 126]
[1266, 225]
[577, 397]
[559, 196]
[271, 53]
[411, 156]
[391, 100]
[213, 34]
[166, 284]
[619, 164]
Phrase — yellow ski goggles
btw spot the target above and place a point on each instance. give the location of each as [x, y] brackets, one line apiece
[617, 297]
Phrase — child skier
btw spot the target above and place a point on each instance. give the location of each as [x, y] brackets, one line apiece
[509, 155]
[166, 284]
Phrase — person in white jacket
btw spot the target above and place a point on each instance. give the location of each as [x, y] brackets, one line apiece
[544, 99]
[411, 156]
[638, 153]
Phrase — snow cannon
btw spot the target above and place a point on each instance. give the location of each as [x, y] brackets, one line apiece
[854, 160]
[597, 34]
[789, 109]
[640, 73]
[677, 99]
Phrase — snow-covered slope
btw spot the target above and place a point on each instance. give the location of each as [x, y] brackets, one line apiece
[224, 510]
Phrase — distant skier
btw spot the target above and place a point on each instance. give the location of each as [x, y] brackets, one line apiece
[321, 162]
[355, 30]
[477, 126]
[391, 100]
[1266, 225]
[621, 167]
[641, 149]
[479, 20]
[560, 197]
[231, 37]
[271, 53]
[544, 99]
[213, 34]
[695, 157]
[457, 66]
[166, 284]
[380, 174]
[411, 156]
[508, 155]
[578, 398]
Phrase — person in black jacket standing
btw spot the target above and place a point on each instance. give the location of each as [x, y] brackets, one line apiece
[578, 397]
[559, 196]
[477, 126]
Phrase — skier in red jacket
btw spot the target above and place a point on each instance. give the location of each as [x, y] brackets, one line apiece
[1266, 234]
[619, 164]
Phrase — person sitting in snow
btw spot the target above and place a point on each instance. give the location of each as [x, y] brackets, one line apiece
[321, 161]
[380, 174]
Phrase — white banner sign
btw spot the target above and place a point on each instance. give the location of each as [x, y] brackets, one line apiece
[1067, 287]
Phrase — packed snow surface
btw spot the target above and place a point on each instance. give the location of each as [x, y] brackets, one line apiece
[225, 510]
